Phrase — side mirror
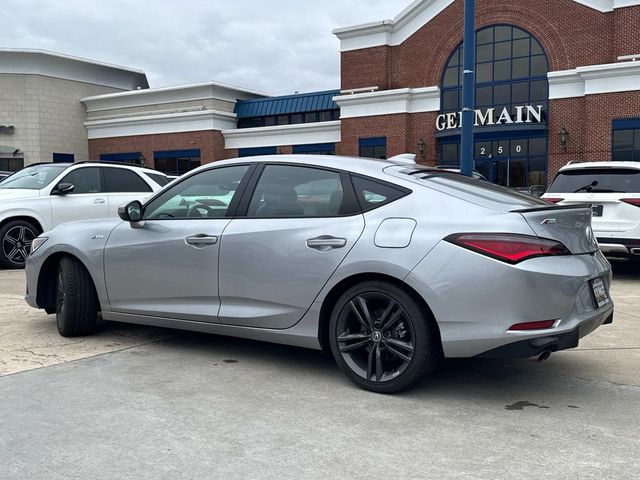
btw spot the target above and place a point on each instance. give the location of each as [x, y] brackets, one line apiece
[63, 189]
[131, 212]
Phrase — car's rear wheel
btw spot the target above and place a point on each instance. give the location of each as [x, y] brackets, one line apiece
[382, 338]
[15, 243]
[76, 299]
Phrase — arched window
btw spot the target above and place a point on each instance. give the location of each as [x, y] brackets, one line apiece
[511, 73]
[511, 70]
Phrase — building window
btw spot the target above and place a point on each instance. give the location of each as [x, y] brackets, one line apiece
[128, 157]
[258, 151]
[11, 164]
[289, 119]
[373, 147]
[315, 149]
[511, 70]
[63, 157]
[511, 75]
[626, 140]
[176, 162]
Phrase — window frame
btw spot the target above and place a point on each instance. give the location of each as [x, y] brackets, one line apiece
[368, 208]
[105, 189]
[348, 192]
[626, 125]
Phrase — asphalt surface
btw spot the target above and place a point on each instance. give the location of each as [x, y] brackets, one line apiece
[137, 402]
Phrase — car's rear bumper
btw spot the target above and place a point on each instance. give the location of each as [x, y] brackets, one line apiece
[619, 246]
[550, 343]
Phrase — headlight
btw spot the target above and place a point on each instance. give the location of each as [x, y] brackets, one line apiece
[37, 243]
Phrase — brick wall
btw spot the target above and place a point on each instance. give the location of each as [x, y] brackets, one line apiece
[210, 143]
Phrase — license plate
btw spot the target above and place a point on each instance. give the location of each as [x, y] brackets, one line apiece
[597, 210]
[600, 294]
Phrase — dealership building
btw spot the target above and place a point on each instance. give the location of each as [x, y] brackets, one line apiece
[556, 81]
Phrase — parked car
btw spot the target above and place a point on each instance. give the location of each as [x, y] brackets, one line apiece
[4, 175]
[41, 196]
[612, 189]
[390, 266]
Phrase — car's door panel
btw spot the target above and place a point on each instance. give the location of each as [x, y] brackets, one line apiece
[269, 276]
[154, 270]
[291, 234]
[87, 201]
[167, 265]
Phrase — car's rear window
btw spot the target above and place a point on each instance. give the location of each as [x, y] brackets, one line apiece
[597, 180]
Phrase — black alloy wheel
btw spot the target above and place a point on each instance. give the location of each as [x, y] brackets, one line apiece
[382, 338]
[16, 238]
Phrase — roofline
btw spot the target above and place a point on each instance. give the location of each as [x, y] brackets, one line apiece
[70, 57]
[603, 163]
[174, 88]
[293, 95]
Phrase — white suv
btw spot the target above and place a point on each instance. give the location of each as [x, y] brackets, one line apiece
[613, 190]
[41, 196]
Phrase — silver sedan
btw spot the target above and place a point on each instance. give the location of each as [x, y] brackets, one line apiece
[388, 265]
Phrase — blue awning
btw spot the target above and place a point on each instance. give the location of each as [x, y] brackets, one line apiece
[299, 103]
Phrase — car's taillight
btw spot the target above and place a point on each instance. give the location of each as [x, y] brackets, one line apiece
[508, 247]
[519, 327]
[631, 201]
[553, 199]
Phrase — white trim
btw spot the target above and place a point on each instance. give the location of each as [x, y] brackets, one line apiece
[418, 14]
[174, 94]
[594, 79]
[389, 102]
[299, 134]
[154, 124]
[18, 61]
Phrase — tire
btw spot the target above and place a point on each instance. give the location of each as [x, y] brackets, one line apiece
[391, 348]
[76, 299]
[15, 243]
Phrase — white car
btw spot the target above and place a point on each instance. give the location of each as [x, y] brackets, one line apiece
[613, 191]
[41, 196]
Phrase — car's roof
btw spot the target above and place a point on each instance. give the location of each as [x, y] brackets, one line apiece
[99, 162]
[365, 166]
[603, 164]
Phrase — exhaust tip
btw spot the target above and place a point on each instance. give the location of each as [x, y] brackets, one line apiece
[544, 355]
[635, 251]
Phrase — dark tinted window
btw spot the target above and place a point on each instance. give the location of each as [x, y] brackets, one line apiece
[291, 191]
[84, 180]
[373, 194]
[596, 180]
[158, 178]
[121, 180]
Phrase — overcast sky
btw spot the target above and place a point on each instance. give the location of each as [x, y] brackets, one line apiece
[275, 46]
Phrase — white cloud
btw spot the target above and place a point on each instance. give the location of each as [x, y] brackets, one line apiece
[277, 46]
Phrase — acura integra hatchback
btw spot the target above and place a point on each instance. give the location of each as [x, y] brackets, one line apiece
[613, 191]
[388, 265]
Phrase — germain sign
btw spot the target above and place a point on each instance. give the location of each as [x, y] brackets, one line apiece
[492, 116]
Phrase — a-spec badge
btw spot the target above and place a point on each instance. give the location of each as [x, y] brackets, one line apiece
[549, 221]
[97, 237]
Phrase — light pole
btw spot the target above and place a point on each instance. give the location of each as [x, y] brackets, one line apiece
[468, 87]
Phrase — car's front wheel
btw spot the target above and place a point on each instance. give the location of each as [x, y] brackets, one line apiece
[382, 338]
[76, 299]
[15, 239]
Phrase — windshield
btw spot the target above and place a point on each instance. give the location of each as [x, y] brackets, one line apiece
[597, 180]
[35, 177]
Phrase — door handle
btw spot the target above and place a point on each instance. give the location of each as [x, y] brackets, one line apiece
[99, 200]
[201, 240]
[326, 242]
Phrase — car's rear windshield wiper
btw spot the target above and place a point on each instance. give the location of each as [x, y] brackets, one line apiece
[587, 188]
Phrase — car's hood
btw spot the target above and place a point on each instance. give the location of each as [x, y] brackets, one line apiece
[102, 226]
[11, 193]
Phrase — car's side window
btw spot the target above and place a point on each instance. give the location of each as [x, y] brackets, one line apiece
[207, 194]
[84, 180]
[374, 193]
[119, 180]
[292, 191]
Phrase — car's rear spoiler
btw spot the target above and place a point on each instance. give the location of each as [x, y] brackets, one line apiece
[552, 207]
